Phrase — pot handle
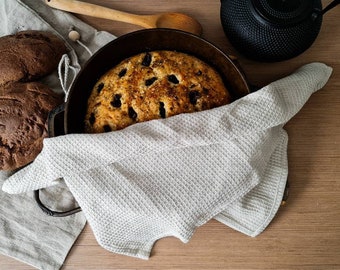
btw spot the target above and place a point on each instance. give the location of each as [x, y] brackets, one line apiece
[52, 213]
[55, 128]
[55, 121]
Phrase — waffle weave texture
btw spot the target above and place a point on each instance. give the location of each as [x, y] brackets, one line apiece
[169, 176]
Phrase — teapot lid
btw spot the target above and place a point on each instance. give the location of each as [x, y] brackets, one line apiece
[282, 12]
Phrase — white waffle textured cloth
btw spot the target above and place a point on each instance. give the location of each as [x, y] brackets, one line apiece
[167, 177]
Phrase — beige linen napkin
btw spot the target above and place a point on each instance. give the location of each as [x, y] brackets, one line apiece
[167, 177]
[26, 233]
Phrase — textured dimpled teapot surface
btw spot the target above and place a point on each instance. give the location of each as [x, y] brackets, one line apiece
[268, 32]
[282, 12]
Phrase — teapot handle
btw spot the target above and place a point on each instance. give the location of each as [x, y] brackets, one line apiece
[331, 5]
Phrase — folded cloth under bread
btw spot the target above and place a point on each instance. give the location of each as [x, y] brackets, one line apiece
[167, 177]
[26, 233]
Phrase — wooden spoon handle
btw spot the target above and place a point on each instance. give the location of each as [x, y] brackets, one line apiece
[95, 11]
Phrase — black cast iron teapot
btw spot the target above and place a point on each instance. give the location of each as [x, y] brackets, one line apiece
[272, 30]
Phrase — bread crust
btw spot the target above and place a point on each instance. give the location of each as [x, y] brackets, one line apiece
[29, 55]
[153, 85]
[24, 108]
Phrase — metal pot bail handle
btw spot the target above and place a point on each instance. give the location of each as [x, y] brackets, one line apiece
[55, 128]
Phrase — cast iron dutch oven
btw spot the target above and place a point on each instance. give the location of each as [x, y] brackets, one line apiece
[143, 41]
[131, 44]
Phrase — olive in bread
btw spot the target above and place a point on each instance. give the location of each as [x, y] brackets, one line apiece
[153, 85]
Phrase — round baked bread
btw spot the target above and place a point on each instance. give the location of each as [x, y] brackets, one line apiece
[29, 55]
[153, 85]
[24, 108]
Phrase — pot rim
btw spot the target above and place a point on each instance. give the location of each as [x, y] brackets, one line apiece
[161, 33]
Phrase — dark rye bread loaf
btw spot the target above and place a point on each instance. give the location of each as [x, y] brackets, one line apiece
[29, 55]
[24, 108]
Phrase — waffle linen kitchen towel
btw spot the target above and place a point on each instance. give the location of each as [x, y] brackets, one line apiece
[167, 177]
[26, 233]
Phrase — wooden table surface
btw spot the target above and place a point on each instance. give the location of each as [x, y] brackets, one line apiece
[305, 234]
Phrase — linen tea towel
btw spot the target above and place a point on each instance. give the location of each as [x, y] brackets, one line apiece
[26, 233]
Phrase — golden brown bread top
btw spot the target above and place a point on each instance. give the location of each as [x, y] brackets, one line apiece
[153, 85]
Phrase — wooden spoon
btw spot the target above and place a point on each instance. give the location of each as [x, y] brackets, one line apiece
[163, 20]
